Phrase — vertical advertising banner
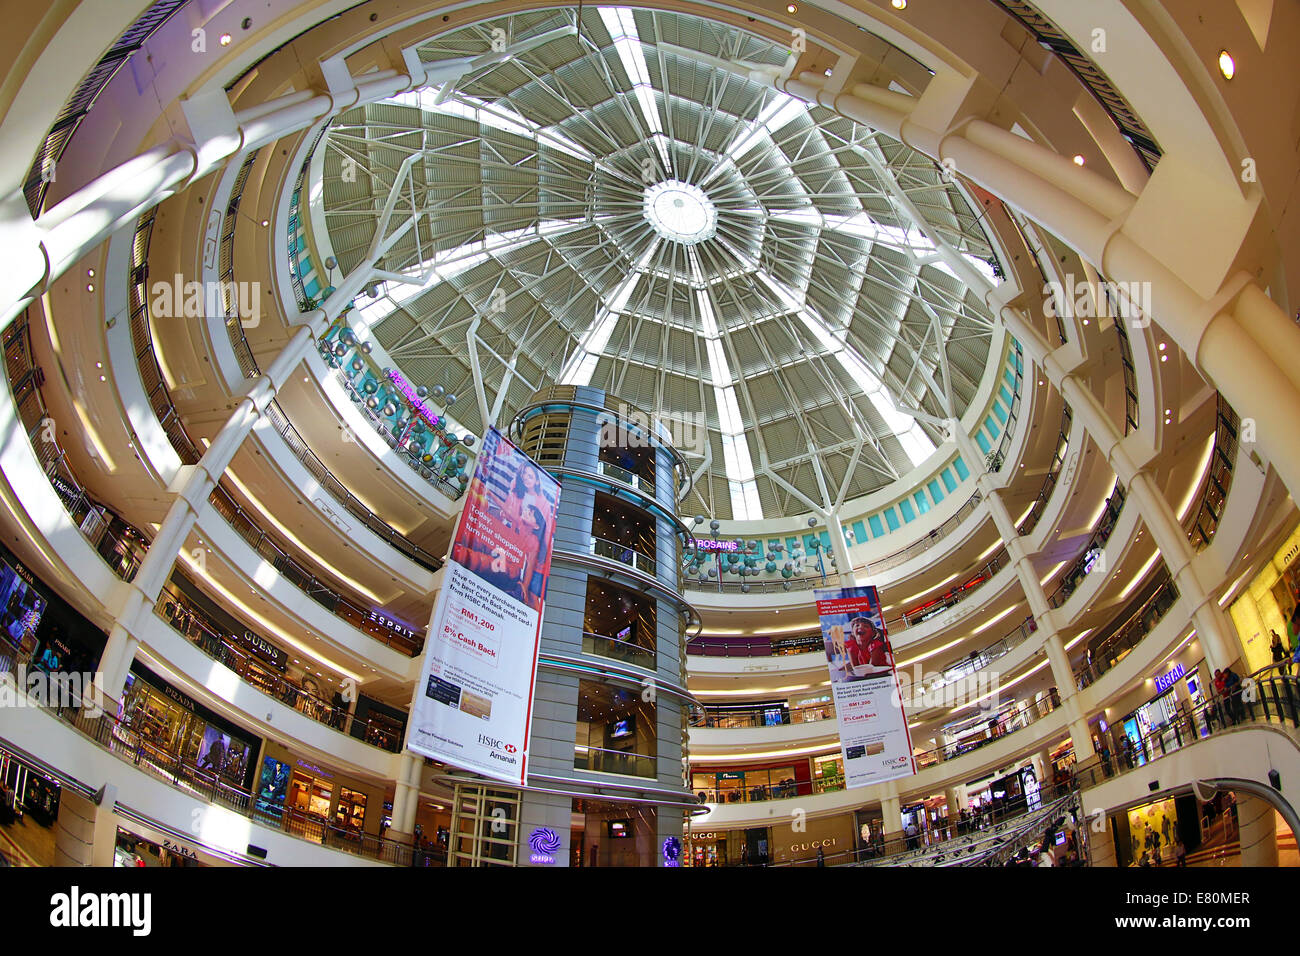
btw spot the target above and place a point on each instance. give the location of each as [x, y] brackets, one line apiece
[874, 741]
[473, 705]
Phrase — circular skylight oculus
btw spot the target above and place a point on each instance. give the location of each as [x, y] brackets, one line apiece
[681, 212]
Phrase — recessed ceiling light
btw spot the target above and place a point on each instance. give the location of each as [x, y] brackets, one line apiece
[1227, 65]
[792, 8]
[1079, 160]
[898, 4]
[225, 39]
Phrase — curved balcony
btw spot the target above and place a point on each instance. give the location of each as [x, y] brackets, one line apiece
[117, 736]
[191, 622]
[604, 548]
[169, 420]
[625, 652]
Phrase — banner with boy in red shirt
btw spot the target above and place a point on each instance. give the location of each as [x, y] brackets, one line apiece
[874, 740]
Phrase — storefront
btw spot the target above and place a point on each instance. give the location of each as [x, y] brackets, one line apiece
[832, 836]
[828, 773]
[1266, 605]
[26, 792]
[299, 793]
[752, 784]
[1163, 722]
[168, 723]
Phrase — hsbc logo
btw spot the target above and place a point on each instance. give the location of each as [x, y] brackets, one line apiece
[509, 748]
[493, 742]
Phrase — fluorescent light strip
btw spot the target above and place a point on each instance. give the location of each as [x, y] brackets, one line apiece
[274, 629]
[938, 650]
[1186, 506]
[1137, 578]
[1050, 574]
[765, 755]
[293, 539]
[753, 691]
[993, 620]
[1079, 638]
[1001, 687]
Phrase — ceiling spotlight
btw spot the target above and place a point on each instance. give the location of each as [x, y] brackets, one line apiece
[91, 273]
[1227, 65]
[1164, 358]
[1163, 346]
[90, 287]
[225, 39]
[898, 4]
[1079, 160]
[792, 8]
[266, 222]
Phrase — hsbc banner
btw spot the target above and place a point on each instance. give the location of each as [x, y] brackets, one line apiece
[474, 703]
[874, 740]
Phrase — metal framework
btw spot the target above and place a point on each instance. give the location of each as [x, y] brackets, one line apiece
[818, 335]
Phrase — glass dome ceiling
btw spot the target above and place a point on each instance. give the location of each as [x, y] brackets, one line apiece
[616, 199]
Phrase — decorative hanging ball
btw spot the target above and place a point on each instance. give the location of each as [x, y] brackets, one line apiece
[451, 399]
[390, 409]
[785, 585]
[770, 567]
[439, 391]
[367, 347]
[421, 391]
[357, 365]
[714, 525]
[713, 572]
[745, 588]
[699, 519]
[468, 441]
[372, 402]
[461, 459]
[426, 458]
[340, 351]
[812, 522]
[786, 572]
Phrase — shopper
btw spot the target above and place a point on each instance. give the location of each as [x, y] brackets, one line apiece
[1281, 656]
[1233, 685]
[911, 836]
[1104, 753]
[821, 857]
[1224, 707]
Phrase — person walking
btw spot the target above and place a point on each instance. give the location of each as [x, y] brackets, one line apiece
[1233, 684]
[821, 857]
[1281, 656]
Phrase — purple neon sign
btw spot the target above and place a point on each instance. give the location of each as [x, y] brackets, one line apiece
[409, 394]
[712, 544]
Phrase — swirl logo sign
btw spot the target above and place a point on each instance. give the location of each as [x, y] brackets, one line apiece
[544, 842]
[672, 851]
[510, 748]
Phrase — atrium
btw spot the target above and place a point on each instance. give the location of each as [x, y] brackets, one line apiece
[734, 434]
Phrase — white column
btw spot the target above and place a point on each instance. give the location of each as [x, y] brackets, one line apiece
[197, 481]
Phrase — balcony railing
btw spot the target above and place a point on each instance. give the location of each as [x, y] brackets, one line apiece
[1092, 551]
[619, 474]
[616, 650]
[1218, 480]
[1137, 624]
[192, 622]
[614, 761]
[358, 616]
[120, 737]
[604, 548]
